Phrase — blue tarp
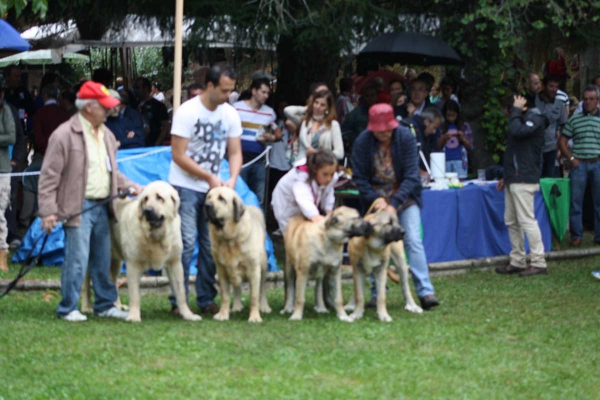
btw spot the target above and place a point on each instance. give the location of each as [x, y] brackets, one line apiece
[468, 223]
[10, 38]
[141, 170]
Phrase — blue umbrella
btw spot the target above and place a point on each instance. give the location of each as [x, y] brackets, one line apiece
[10, 39]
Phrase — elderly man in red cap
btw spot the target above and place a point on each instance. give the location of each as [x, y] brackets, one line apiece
[385, 166]
[79, 171]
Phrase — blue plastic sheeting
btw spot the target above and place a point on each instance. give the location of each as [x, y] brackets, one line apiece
[10, 38]
[142, 171]
[468, 223]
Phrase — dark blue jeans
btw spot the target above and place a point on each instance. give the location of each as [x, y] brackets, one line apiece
[87, 246]
[580, 176]
[255, 176]
[194, 226]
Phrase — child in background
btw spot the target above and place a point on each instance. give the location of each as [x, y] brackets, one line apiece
[456, 140]
[307, 189]
[434, 94]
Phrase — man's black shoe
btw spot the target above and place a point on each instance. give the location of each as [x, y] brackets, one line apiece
[428, 302]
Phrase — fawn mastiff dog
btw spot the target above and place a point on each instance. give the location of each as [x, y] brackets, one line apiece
[371, 254]
[237, 235]
[147, 235]
[317, 248]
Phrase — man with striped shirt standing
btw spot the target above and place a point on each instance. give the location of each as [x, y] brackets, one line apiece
[584, 159]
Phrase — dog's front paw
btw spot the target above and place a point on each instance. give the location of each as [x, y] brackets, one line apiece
[221, 316]
[122, 307]
[321, 310]
[192, 317]
[265, 309]
[296, 317]
[356, 315]
[413, 308]
[349, 307]
[133, 318]
[384, 317]
[237, 307]
[345, 318]
[286, 311]
[256, 319]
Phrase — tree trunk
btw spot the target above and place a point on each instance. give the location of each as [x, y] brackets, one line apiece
[301, 64]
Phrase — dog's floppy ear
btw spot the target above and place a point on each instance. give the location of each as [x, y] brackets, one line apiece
[331, 221]
[141, 206]
[238, 209]
[176, 202]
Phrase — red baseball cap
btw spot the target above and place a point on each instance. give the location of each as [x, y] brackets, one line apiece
[97, 91]
[381, 118]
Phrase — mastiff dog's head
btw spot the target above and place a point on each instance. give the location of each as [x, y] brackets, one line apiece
[344, 223]
[158, 202]
[385, 229]
[224, 208]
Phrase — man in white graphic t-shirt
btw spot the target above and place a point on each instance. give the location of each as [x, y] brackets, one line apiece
[258, 129]
[203, 128]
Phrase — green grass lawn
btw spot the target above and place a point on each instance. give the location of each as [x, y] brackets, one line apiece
[493, 337]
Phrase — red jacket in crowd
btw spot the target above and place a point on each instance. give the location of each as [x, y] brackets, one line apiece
[46, 120]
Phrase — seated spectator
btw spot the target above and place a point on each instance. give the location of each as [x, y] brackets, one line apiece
[344, 103]
[47, 119]
[386, 173]
[418, 96]
[125, 123]
[319, 128]
[356, 122]
[456, 140]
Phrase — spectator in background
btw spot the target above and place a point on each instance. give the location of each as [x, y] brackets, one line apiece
[383, 96]
[434, 93]
[156, 117]
[596, 82]
[524, 143]
[558, 67]
[584, 160]
[125, 123]
[49, 79]
[67, 102]
[576, 70]
[344, 104]
[532, 88]
[103, 76]
[427, 78]
[356, 122]
[17, 96]
[447, 89]
[258, 131]
[418, 96]
[195, 89]
[8, 136]
[396, 87]
[156, 93]
[555, 112]
[456, 140]
[47, 119]
[297, 113]
[424, 126]
[409, 76]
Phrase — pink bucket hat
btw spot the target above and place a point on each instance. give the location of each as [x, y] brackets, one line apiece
[381, 118]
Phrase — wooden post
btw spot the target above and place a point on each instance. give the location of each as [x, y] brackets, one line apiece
[178, 54]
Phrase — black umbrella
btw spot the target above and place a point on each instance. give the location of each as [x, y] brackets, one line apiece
[410, 48]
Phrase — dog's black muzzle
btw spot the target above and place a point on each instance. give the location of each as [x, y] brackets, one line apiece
[394, 234]
[361, 229]
[212, 217]
[153, 218]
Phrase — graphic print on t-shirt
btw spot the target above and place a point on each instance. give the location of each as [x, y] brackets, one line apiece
[207, 146]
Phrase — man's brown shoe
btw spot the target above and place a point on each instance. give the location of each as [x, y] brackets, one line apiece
[211, 309]
[575, 242]
[533, 271]
[508, 270]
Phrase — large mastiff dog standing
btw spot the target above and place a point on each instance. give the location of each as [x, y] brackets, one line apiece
[237, 236]
[148, 236]
[316, 248]
[371, 254]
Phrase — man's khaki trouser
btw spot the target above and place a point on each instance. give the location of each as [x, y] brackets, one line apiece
[4, 204]
[519, 216]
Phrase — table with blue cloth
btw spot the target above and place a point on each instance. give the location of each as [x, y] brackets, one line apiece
[468, 223]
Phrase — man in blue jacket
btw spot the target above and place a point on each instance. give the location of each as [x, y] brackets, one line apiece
[385, 165]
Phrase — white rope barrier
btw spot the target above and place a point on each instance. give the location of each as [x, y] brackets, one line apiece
[142, 155]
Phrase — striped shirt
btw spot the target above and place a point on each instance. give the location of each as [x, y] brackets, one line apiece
[584, 129]
[254, 123]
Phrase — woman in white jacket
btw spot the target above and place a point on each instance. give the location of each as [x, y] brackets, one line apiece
[319, 128]
[307, 189]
